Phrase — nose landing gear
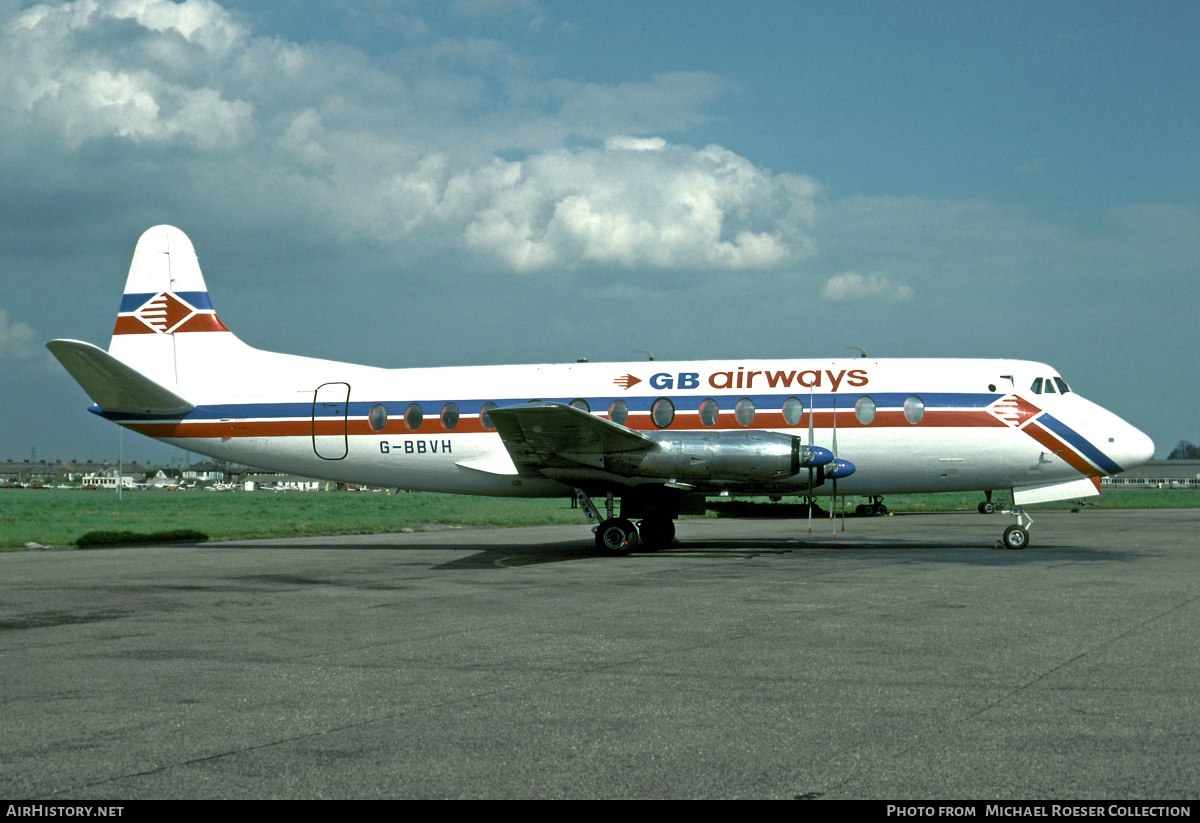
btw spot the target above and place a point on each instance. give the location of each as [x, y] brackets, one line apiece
[1016, 537]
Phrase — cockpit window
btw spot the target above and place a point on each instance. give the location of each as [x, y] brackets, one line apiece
[1047, 385]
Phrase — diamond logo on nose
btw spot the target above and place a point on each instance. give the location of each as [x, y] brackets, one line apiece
[1013, 410]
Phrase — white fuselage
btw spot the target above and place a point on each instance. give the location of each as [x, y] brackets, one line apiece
[938, 424]
[173, 371]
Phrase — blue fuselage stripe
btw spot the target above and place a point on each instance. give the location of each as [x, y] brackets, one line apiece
[686, 404]
[1080, 443]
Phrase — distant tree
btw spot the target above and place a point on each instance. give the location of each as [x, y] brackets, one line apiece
[1185, 451]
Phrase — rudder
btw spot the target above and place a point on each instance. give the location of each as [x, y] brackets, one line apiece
[165, 302]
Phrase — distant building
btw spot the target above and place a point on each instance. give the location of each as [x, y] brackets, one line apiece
[54, 472]
[1157, 474]
[164, 478]
[277, 481]
[111, 476]
[205, 471]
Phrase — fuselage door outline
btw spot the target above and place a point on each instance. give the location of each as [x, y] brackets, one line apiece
[331, 405]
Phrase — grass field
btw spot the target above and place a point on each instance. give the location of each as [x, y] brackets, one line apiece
[54, 517]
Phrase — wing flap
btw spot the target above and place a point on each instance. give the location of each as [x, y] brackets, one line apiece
[112, 385]
[498, 463]
[1050, 492]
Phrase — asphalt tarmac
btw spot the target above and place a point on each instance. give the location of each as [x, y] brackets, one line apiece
[907, 659]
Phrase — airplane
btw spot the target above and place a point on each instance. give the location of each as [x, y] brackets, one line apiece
[652, 434]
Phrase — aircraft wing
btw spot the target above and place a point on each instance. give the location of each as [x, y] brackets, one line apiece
[543, 438]
[112, 385]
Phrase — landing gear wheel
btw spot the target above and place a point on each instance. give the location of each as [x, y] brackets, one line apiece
[879, 510]
[1015, 537]
[616, 536]
[656, 532]
[987, 507]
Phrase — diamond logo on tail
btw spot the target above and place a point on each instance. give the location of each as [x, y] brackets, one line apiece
[164, 312]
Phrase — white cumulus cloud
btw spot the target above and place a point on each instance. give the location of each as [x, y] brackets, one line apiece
[416, 156]
[16, 339]
[854, 286]
[76, 69]
[661, 205]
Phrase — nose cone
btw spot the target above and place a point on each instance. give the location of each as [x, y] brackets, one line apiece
[1132, 447]
[1117, 445]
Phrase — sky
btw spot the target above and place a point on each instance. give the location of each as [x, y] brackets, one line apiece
[506, 181]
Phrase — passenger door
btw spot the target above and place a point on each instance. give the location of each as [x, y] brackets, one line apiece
[331, 404]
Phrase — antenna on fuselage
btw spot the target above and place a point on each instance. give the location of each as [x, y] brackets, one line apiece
[833, 501]
[859, 349]
[811, 496]
[649, 354]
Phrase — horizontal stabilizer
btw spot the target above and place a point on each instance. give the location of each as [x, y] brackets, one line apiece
[112, 385]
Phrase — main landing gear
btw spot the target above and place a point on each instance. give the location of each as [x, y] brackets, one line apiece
[873, 509]
[987, 506]
[616, 535]
[619, 535]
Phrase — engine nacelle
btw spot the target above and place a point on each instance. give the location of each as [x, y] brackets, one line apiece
[749, 456]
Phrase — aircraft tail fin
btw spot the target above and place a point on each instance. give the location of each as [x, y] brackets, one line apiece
[166, 323]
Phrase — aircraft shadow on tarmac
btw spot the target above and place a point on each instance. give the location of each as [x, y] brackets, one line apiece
[480, 555]
[509, 556]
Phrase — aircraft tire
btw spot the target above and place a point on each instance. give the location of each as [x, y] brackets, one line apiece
[656, 532]
[616, 536]
[1016, 537]
[879, 510]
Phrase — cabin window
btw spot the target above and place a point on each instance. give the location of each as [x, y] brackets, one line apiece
[581, 404]
[744, 411]
[793, 410]
[484, 417]
[662, 412]
[709, 411]
[914, 409]
[618, 412]
[864, 410]
[377, 419]
[413, 416]
[449, 416]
